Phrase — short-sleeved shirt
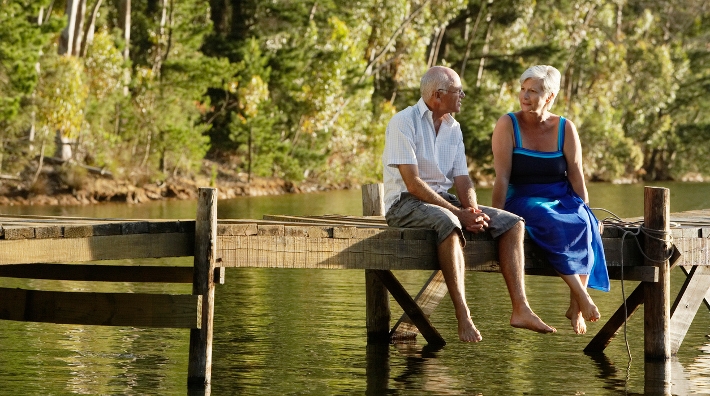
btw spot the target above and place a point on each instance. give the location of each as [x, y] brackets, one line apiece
[411, 139]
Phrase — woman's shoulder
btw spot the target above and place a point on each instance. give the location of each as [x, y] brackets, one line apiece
[505, 119]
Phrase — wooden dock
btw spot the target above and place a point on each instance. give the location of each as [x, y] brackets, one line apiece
[68, 248]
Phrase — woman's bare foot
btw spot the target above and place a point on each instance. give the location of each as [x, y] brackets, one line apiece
[468, 331]
[526, 319]
[589, 310]
[575, 316]
[578, 324]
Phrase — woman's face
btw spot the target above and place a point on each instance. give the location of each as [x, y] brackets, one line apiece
[532, 97]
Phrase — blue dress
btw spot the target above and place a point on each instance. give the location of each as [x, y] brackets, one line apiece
[556, 218]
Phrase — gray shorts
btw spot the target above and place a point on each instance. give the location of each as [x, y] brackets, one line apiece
[413, 213]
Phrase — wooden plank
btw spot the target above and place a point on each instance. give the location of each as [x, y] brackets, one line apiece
[411, 308]
[326, 253]
[98, 273]
[78, 231]
[105, 309]
[690, 296]
[640, 273]
[199, 369]
[657, 305]
[135, 227]
[19, 232]
[236, 229]
[49, 231]
[706, 300]
[612, 326]
[377, 301]
[111, 247]
[322, 220]
[416, 252]
[428, 299]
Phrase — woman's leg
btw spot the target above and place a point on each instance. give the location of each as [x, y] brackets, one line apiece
[578, 294]
[574, 313]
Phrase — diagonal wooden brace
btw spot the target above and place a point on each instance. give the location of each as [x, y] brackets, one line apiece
[686, 305]
[612, 326]
[428, 299]
[410, 307]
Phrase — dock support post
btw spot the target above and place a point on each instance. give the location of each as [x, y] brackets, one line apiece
[377, 301]
[657, 305]
[199, 371]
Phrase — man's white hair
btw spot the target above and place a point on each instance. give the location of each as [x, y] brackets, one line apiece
[434, 79]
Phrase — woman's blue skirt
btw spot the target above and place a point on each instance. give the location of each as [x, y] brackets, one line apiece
[559, 221]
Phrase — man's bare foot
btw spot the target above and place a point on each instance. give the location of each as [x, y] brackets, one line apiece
[578, 324]
[528, 320]
[468, 331]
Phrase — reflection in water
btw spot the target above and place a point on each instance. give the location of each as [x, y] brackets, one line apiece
[303, 331]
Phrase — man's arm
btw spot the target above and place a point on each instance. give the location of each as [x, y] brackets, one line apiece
[465, 191]
[470, 218]
[417, 187]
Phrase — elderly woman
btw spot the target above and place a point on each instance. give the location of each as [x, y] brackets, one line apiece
[538, 164]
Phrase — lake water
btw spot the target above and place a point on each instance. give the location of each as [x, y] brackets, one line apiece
[302, 332]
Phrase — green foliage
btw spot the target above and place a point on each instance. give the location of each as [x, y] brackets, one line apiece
[301, 89]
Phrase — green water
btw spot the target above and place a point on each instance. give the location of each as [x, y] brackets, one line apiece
[298, 332]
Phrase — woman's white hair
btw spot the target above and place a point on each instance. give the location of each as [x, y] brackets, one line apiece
[550, 80]
[434, 79]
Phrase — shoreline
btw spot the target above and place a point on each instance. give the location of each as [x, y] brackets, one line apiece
[101, 190]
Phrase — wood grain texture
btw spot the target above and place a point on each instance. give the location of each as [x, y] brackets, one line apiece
[105, 309]
[111, 247]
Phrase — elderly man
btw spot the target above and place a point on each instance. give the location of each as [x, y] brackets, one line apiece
[423, 158]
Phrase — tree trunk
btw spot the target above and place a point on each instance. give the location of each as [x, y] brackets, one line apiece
[66, 40]
[89, 34]
[125, 22]
[469, 41]
[79, 28]
[63, 146]
[161, 44]
[485, 50]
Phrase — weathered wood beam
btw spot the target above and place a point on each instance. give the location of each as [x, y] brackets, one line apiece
[199, 370]
[98, 273]
[612, 326]
[657, 305]
[428, 299]
[377, 301]
[686, 305]
[392, 249]
[636, 273]
[411, 308]
[105, 309]
[111, 247]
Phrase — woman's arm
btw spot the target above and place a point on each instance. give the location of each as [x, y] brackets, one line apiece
[573, 155]
[502, 159]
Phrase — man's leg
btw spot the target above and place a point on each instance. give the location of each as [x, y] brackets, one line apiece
[451, 261]
[511, 259]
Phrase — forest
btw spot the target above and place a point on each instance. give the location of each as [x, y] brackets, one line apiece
[302, 90]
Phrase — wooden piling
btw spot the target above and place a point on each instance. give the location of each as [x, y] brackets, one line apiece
[657, 314]
[199, 369]
[377, 301]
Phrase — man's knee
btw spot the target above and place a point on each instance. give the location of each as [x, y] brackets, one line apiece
[454, 238]
[517, 231]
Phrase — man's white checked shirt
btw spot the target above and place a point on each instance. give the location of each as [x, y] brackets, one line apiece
[411, 139]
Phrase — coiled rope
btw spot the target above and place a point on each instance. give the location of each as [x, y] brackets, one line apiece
[634, 229]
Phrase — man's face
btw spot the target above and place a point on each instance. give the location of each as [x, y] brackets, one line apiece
[451, 97]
